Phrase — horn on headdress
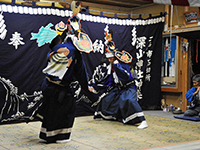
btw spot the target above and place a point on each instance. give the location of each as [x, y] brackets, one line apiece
[75, 7]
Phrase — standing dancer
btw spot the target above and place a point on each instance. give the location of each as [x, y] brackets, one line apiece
[65, 64]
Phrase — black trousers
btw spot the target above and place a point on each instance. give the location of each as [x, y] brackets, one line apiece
[58, 112]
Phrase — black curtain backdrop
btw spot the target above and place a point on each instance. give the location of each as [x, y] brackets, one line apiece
[25, 34]
[148, 56]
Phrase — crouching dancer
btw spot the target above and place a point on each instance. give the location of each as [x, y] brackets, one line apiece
[118, 100]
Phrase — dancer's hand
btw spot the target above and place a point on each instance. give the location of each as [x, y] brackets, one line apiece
[90, 88]
[116, 62]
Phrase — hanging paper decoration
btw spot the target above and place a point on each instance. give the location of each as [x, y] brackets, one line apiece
[60, 27]
[124, 56]
[83, 43]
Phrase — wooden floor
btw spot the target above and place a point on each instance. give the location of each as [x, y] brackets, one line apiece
[164, 133]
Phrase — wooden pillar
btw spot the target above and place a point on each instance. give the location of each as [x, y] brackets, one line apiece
[167, 18]
[185, 75]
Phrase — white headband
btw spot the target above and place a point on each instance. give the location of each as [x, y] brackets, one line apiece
[109, 55]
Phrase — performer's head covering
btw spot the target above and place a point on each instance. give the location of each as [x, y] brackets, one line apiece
[58, 39]
[109, 44]
[73, 23]
[74, 32]
[112, 51]
[109, 55]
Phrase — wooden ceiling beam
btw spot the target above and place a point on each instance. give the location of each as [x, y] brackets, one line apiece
[116, 5]
[112, 3]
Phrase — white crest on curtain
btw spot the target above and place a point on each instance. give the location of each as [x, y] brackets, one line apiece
[12, 95]
[3, 30]
[16, 40]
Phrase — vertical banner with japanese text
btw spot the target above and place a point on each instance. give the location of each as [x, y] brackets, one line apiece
[147, 41]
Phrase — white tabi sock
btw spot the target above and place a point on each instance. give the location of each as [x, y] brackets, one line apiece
[63, 141]
[143, 125]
